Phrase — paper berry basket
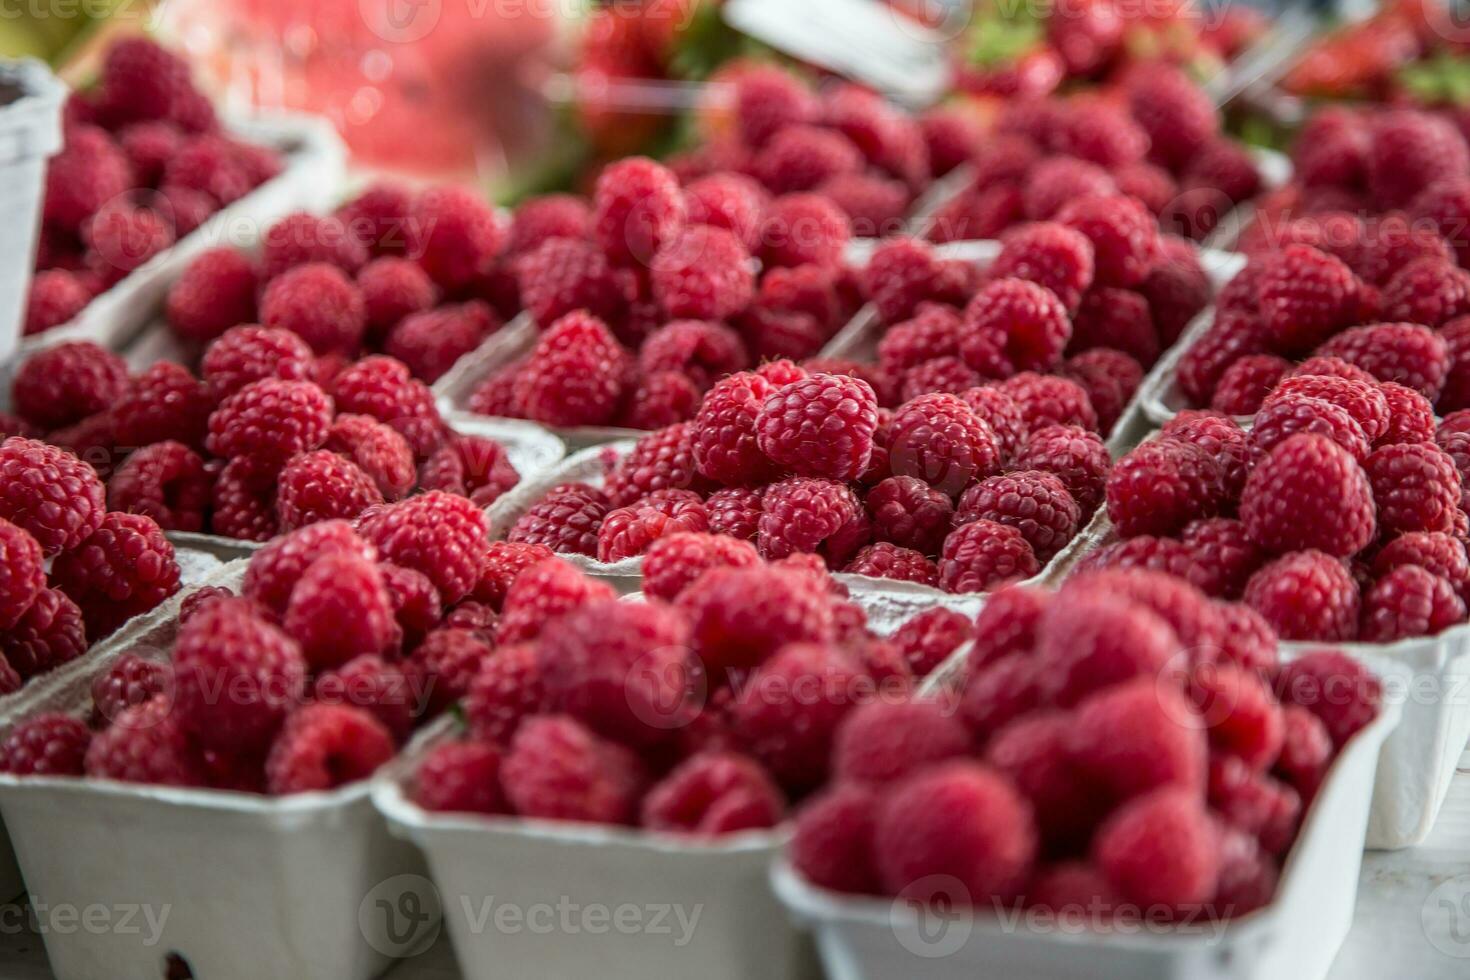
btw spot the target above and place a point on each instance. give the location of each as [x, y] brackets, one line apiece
[30, 124]
[313, 163]
[1296, 937]
[238, 885]
[1420, 756]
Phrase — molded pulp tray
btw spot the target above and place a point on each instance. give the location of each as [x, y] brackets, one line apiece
[1294, 938]
[238, 885]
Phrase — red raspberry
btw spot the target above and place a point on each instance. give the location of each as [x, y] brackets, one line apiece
[1006, 625]
[713, 793]
[776, 334]
[1011, 326]
[1053, 256]
[1408, 151]
[1309, 493]
[704, 351]
[938, 439]
[339, 609]
[820, 426]
[741, 616]
[574, 375]
[460, 777]
[446, 662]
[1160, 849]
[271, 421]
[1429, 291]
[453, 233]
[814, 516]
[1416, 488]
[888, 561]
[243, 505]
[301, 239]
[1444, 206]
[1034, 753]
[22, 573]
[1149, 552]
[146, 744]
[1124, 236]
[983, 555]
[472, 467]
[1305, 297]
[1409, 601]
[629, 531]
[65, 384]
[50, 744]
[476, 617]
[318, 303]
[236, 678]
[324, 746]
[888, 741]
[1229, 338]
[638, 208]
[1098, 638]
[1053, 182]
[558, 770]
[1332, 367]
[945, 374]
[999, 693]
[910, 513]
[874, 205]
[1176, 288]
[1224, 551]
[216, 292]
[1306, 754]
[275, 569]
[1240, 712]
[803, 229]
[197, 600]
[902, 274]
[703, 273]
[125, 568]
[130, 680]
[999, 410]
[506, 690]
[563, 275]
[1343, 693]
[392, 290]
[543, 593]
[432, 342]
[56, 296]
[1256, 803]
[1110, 379]
[660, 400]
[543, 218]
[1117, 319]
[566, 523]
[662, 460]
[49, 634]
[734, 513]
[1293, 414]
[416, 603]
[244, 355]
[675, 562]
[1439, 553]
[953, 135]
[166, 482]
[1034, 502]
[378, 451]
[1410, 416]
[1361, 400]
[730, 201]
[1306, 595]
[932, 637]
[1161, 486]
[1075, 455]
[933, 333]
[89, 171]
[383, 389]
[1247, 382]
[1455, 395]
[833, 843]
[766, 99]
[438, 534]
[1050, 400]
[1173, 111]
[800, 158]
[1404, 353]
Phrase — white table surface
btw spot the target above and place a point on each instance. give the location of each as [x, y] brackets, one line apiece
[1405, 927]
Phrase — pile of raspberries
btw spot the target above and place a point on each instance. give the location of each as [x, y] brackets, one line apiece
[145, 162]
[71, 571]
[1157, 139]
[707, 707]
[1338, 516]
[1088, 768]
[963, 492]
[268, 438]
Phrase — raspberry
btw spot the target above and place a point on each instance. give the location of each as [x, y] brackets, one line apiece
[65, 384]
[999, 411]
[945, 374]
[1305, 297]
[1123, 233]
[1161, 486]
[1306, 595]
[1150, 552]
[1053, 182]
[543, 218]
[1332, 367]
[146, 744]
[56, 296]
[734, 513]
[1075, 455]
[1160, 849]
[123, 569]
[1361, 400]
[821, 426]
[1176, 288]
[676, 561]
[1098, 639]
[452, 232]
[432, 342]
[274, 570]
[901, 275]
[1224, 552]
[1255, 803]
[574, 375]
[660, 400]
[628, 531]
[49, 634]
[566, 523]
[318, 303]
[1293, 414]
[1410, 416]
[226, 648]
[1309, 493]
[1034, 502]
[729, 201]
[910, 513]
[1439, 553]
[929, 639]
[713, 793]
[933, 333]
[22, 573]
[1247, 382]
[662, 460]
[638, 208]
[1011, 326]
[1416, 488]
[1407, 151]
[1343, 693]
[766, 100]
[167, 482]
[438, 534]
[49, 744]
[543, 593]
[460, 777]
[814, 516]
[740, 616]
[800, 158]
[1228, 338]
[938, 439]
[244, 355]
[888, 561]
[339, 609]
[984, 555]
[506, 689]
[1404, 353]
[885, 742]
[803, 229]
[1109, 378]
[1240, 711]
[558, 770]
[833, 843]
[447, 661]
[89, 171]
[1428, 291]
[383, 389]
[1050, 400]
[1117, 319]
[377, 451]
[1409, 601]
[1172, 110]
[416, 603]
[874, 205]
[216, 292]
[392, 290]
[562, 275]
[243, 505]
[706, 352]
[324, 746]
[130, 680]
[1306, 752]
[1053, 256]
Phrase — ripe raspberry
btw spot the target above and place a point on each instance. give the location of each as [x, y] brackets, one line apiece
[945, 374]
[243, 505]
[22, 573]
[56, 296]
[339, 609]
[216, 292]
[129, 681]
[930, 638]
[734, 513]
[1430, 291]
[324, 746]
[460, 777]
[1361, 399]
[1404, 353]
[885, 742]
[416, 603]
[1097, 639]
[814, 516]
[833, 843]
[1306, 595]
[1409, 601]
[275, 569]
[1149, 552]
[1117, 319]
[999, 411]
[1343, 693]
[49, 634]
[1053, 182]
[438, 534]
[638, 208]
[983, 555]
[65, 384]
[662, 460]
[543, 593]
[318, 303]
[629, 531]
[801, 158]
[704, 351]
[714, 793]
[888, 561]
[432, 342]
[729, 201]
[1439, 553]
[226, 648]
[1011, 326]
[1416, 488]
[50, 744]
[931, 334]
[1109, 378]
[1160, 849]
[378, 451]
[271, 421]
[874, 205]
[89, 171]
[563, 275]
[574, 375]
[767, 99]
[1229, 337]
[1309, 493]
[1305, 297]
[938, 439]
[820, 426]
[660, 400]
[1306, 754]
[558, 770]
[1034, 502]
[1224, 552]
[1247, 382]
[165, 403]
[146, 743]
[123, 569]
[1293, 414]
[383, 389]
[301, 239]
[1053, 256]
[901, 274]
[1045, 399]
[392, 290]
[1075, 455]
[676, 561]
[910, 513]
[506, 690]
[1124, 236]
[446, 662]
[1410, 416]
[1407, 151]
[1161, 486]
[543, 218]
[740, 616]
[453, 233]
[246, 354]
[803, 229]
[566, 523]
[167, 482]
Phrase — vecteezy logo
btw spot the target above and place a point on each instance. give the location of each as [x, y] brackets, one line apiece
[401, 21]
[402, 916]
[1445, 917]
[933, 919]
